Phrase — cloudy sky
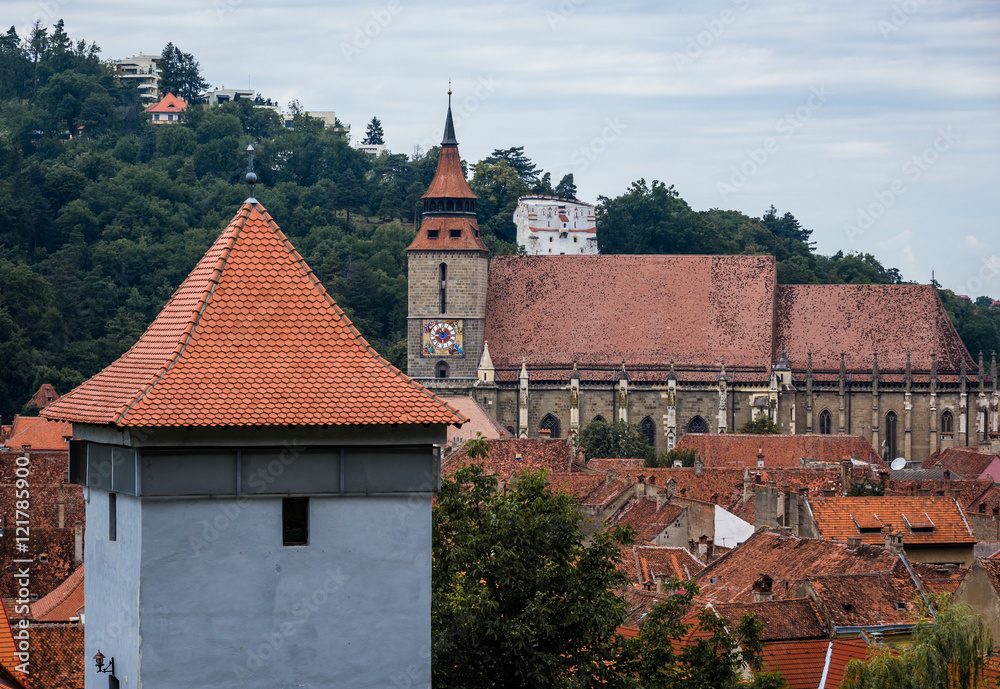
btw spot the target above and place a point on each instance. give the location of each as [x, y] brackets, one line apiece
[875, 122]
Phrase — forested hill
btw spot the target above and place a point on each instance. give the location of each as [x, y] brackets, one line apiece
[97, 229]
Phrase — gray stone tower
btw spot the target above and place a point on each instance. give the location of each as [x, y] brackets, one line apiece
[448, 265]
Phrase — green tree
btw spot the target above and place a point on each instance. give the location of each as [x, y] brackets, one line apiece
[949, 652]
[651, 220]
[180, 74]
[374, 134]
[685, 456]
[519, 599]
[762, 425]
[522, 166]
[498, 187]
[566, 189]
[866, 487]
[618, 439]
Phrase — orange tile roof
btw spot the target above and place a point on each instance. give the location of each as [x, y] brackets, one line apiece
[8, 653]
[741, 450]
[641, 514]
[38, 432]
[64, 602]
[644, 563]
[862, 320]
[449, 180]
[857, 517]
[509, 455]
[792, 618]
[468, 238]
[169, 103]
[251, 337]
[58, 659]
[646, 310]
[867, 599]
[965, 463]
[802, 663]
[479, 421]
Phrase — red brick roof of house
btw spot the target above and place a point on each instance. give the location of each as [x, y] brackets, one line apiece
[641, 514]
[169, 103]
[864, 320]
[921, 520]
[963, 462]
[44, 396]
[39, 433]
[479, 421]
[251, 337]
[744, 450]
[803, 664]
[787, 560]
[510, 455]
[645, 563]
[792, 618]
[601, 310]
[62, 604]
[58, 659]
[970, 494]
[867, 599]
[9, 676]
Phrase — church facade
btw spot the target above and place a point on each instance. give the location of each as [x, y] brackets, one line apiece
[682, 344]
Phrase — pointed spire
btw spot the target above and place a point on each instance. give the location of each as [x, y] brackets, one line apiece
[875, 366]
[672, 375]
[449, 126]
[981, 376]
[624, 374]
[485, 361]
[722, 374]
[782, 364]
[843, 369]
[809, 363]
[524, 369]
[575, 375]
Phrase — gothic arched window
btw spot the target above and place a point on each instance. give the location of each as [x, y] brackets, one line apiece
[947, 422]
[551, 424]
[598, 418]
[890, 435]
[825, 422]
[697, 425]
[441, 370]
[649, 430]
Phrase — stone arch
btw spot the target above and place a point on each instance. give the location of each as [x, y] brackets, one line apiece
[550, 423]
[891, 423]
[598, 417]
[697, 425]
[947, 421]
[649, 430]
[441, 369]
[825, 422]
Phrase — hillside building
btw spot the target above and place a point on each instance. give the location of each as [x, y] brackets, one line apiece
[549, 225]
[144, 72]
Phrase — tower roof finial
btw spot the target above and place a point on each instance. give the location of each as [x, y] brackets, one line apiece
[251, 177]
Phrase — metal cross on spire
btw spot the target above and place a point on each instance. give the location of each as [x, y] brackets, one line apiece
[251, 177]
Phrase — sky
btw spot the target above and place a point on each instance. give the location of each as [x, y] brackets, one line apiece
[874, 122]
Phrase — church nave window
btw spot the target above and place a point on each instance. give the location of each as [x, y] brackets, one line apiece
[825, 422]
[649, 430]
[947, 422]
[551, 424]
[697, 425]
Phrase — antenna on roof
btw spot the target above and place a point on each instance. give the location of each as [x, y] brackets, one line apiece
[251, 177]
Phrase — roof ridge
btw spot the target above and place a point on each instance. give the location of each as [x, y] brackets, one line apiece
[347, 321]
[192, 322]
[64, 591]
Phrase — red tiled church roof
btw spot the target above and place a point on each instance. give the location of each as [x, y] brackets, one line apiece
[741, 450]
[449, 180]
[862, 320]
[38, 432]
[63, 602]
[251, 337]
[600, 310]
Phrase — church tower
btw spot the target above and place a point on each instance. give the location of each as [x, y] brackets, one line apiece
[448, 265]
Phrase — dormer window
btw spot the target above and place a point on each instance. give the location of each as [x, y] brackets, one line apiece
[432, 234]
[455, 234]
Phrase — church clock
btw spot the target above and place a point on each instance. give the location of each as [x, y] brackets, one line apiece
[443, 338]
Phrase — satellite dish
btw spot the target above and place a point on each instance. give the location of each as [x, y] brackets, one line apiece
[898, 463]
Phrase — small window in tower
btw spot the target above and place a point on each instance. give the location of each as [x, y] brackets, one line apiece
[451, 205]
[441, 370]
[575, 239]
[295, 521]
[112, 517]
[432, 234]
[456, 234]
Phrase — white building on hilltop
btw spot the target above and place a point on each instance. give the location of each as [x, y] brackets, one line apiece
[550, 225]
[144, 72]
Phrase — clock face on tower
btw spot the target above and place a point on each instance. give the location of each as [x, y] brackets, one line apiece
[442, 338]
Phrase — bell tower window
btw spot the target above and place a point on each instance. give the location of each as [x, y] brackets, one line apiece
[441, 370]
[443, 270]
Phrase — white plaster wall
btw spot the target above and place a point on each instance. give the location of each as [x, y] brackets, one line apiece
[111, 589]
[225, 604]
[730, 529]
[539, 227]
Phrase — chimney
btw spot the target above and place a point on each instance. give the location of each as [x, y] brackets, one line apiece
[581, 457]
[710, 549]
[61, 503]
[947, 481]
[845, 475]
[78, 542]
[661, 583]
[678, 464]
[762, 589]
[853, 542]
[893, 539]
[699, 464]
[671, 488]
[702, 546]
[661, 499]
[760, 457]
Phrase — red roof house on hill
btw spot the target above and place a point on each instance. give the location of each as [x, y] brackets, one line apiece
[38, 433]
[168, 110]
